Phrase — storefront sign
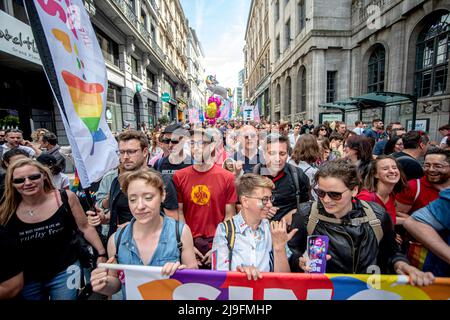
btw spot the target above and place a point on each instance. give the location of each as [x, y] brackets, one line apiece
[165, 97]
[17, 39]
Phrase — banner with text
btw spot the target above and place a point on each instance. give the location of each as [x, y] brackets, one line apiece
[75, 68]
[146, 283]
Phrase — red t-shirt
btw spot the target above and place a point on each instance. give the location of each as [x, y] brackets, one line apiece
[366, 195]
[204, 196]
[428, 193]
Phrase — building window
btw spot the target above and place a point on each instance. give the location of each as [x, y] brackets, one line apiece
[302, 89]
[288, 96]
[109, 48]
[331, 86]
[134, 66]
[278, 101]
[14, 8]
[432, 54]
[151, 81]
[301, 15]
[376, 70]
[277, 10]
[277, 47]
[287, 32]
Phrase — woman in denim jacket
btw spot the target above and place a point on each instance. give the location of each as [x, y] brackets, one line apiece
[150, 238]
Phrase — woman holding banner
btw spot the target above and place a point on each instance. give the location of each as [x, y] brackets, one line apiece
[361, 234]
[150, 239]
[44, 222]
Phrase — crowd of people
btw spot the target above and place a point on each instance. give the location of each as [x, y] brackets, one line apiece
[232, 196]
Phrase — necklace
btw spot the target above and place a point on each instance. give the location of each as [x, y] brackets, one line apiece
[31, 213]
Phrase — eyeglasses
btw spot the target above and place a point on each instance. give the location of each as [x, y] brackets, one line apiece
[436, 166]
[128, 152]
[332, 194]
[199, 143]
[33, 177]
[264, 200]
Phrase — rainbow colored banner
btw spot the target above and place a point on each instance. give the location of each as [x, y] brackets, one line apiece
[75, 68]
[146, 283]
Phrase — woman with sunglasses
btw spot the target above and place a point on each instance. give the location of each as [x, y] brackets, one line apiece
[321, 132]
[44, 221]
[355, 246]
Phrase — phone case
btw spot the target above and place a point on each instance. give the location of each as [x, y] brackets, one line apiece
[317, 253]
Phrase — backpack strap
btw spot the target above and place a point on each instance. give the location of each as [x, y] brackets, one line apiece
[119, 239]
[374, 222]
[294, 174]
[178, 235]
[370, 218]
[313, 219]
[230, 233]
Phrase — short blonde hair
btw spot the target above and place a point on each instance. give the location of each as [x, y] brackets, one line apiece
[149, 176]
[250, 181]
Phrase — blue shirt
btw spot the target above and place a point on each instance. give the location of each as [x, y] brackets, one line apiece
[436, 213]
[166, 250]
[251, 247]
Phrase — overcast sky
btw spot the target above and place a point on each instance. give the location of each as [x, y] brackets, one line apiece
[220, 27]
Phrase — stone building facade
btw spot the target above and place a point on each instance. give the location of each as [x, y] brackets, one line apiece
[257, 57]
[323, 52]
[196, 71]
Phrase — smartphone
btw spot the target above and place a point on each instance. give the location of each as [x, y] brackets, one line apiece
[317, 253]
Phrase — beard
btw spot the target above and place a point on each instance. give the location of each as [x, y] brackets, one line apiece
[131, 167]
[439, 179]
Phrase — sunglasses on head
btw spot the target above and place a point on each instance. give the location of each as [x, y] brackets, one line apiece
[33, 177]
[333, 195]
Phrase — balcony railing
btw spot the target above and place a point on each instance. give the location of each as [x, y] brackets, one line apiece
[128, 11]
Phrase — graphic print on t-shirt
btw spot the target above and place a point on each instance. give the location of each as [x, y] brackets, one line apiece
[39, 233]
[200, 195]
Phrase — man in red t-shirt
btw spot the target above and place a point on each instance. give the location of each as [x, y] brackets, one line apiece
[206, 194]
[421, 192]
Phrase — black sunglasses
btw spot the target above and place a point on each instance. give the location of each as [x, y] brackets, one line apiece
[333, 195]
[33, 177]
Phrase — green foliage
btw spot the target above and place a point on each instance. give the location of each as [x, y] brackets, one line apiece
[11, 121]
[164, 120]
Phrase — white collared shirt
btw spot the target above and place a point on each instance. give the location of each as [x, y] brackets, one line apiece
[251, 247]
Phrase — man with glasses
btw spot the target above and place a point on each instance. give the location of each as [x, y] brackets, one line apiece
[421, 192]
[248, 155]
[206, 194]
[112, 208]
[415, 145]
[176, 153]
[291, 183]
[258, 245]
